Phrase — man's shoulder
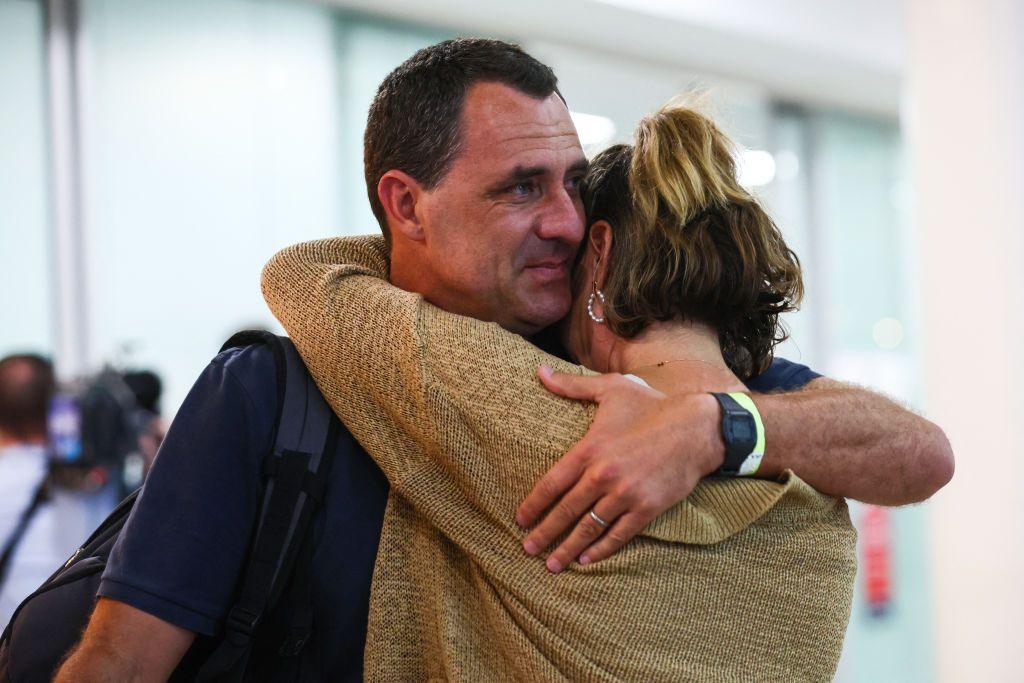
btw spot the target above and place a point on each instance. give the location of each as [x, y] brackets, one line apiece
[252, 365]
[249, 368]
[232, 405]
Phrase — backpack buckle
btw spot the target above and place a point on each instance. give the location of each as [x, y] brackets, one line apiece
[293, 644]
[241, 621]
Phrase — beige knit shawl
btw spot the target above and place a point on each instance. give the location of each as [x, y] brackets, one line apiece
[744, 580]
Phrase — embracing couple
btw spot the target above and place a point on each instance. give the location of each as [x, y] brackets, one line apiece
[590, 466]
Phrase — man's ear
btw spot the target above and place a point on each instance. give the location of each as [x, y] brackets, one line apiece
[599, 241]
[399, 193]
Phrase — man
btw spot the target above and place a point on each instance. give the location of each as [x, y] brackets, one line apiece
[26, 386]
[472, 169]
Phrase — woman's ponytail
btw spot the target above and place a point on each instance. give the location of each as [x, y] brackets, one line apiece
[682, 164]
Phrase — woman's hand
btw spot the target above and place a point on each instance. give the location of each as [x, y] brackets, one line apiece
[644, 453]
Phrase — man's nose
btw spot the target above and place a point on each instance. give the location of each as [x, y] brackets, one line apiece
[562, 218]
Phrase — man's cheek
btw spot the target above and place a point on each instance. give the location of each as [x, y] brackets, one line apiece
[481, 275]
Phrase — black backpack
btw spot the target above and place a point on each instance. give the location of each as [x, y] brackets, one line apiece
[267, 630]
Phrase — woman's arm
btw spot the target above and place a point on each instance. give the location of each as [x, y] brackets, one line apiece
[449, 406]
[418, 386]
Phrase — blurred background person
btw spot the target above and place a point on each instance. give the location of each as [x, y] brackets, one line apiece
[147, 388]
[27, 554]
[66, 458]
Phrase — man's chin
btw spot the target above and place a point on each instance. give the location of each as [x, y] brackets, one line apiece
[537, 314]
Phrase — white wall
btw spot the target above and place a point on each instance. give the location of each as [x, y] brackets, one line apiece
[26, 302]
[965, 120]
[754, 40]
[867, 31]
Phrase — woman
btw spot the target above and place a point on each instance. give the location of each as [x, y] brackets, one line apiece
[680, 282]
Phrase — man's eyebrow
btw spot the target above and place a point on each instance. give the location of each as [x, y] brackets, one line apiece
[526, 172]
[580, 166]
[521, 173]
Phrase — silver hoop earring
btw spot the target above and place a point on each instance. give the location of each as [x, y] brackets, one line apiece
[590, 304]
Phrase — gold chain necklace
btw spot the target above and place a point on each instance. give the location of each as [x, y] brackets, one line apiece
[680, 360]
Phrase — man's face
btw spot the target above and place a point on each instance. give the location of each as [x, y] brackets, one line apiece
[501, 229]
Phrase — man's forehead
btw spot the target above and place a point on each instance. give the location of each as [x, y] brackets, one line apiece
[501, 119]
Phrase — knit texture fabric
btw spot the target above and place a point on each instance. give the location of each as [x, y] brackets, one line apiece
[744, 580]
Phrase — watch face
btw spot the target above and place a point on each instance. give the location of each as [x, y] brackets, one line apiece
[742, 432]
[743, 428]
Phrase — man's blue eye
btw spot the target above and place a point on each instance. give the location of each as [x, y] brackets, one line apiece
[575, 182]
[521, 189]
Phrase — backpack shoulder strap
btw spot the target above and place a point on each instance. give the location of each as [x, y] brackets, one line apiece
[40, 496]
[295, 474]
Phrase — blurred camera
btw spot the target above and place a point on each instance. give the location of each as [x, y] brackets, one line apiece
[102, 429]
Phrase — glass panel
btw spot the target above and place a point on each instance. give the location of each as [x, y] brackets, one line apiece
[870, 340]
[860, 179]
[25, 267]
[213, 139]
[788, 198]
[369, 50]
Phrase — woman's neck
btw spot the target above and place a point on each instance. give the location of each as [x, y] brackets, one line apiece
[675, 357]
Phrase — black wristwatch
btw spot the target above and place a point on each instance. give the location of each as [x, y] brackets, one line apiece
[740, 433]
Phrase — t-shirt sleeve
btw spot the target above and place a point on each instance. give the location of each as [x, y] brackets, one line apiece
[782, 375]
[182, 550]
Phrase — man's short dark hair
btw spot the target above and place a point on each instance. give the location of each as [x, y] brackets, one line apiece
[26, 386]
[413, 125]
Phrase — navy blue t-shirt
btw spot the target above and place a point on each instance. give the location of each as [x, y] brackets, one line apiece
[782, 375]
[183, 548]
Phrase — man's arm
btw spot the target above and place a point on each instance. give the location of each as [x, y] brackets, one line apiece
[123, 644]
[850, 442]
[646, 451]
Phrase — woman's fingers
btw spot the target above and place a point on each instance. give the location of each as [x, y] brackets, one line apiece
[570, 386]
[593, 468]
[566, 512]
[586, 532]
[562, 476]
[622, 530]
